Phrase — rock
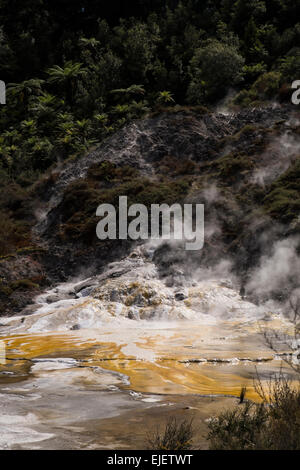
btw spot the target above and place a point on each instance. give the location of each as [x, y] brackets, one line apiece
[169, 281]
[180, 296]
[75, 327]
[53, 298]
[139, 300]
[85, 292]
[28, 310]
[133, 315]
[82, 285]
[226, 283]
[114, 296]
[118, 273]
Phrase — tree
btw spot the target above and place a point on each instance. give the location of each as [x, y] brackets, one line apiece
[244, 9]
[283, 343]
[213, 69]
[67, 77]
[25, 89]
[7, 58]
[290, 66]
[137, 45]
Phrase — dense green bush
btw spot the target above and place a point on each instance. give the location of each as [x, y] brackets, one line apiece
[283, 198]
[214, 68]
[76, 74]
[105, 183]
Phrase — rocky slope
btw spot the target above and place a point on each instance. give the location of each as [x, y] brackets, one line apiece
[244, 167]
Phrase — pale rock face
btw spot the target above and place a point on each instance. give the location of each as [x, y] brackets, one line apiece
[131, 290]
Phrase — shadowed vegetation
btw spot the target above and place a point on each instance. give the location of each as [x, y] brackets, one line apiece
[175, 436]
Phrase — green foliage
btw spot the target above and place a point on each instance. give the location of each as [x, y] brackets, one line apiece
[13, 234]
[213, 69]
[232, 166]
[252, 72]
[266, 87]
[105, 183]
[24, 89]
[165, 97]
[132, 90]
[290, 66]
[283, 198]
[238, 429]
[66, 78]
[68, 90]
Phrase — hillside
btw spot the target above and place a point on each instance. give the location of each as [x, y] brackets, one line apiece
[243, 166]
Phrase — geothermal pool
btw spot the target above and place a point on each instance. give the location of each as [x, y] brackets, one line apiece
[127, 345]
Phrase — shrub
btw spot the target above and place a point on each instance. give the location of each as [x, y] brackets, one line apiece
[273, 424]
[23, 284]
[104, 184]
[175, 436]
[238, 429]
[213, 69]
[13, 234]
[283, 201]
[267, 85]
[232, 165]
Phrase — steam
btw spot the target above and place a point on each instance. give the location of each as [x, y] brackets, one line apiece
[221, 271]
[40, 214]
[211, 194]
[277, 158]
[223, 107]
[278, 271]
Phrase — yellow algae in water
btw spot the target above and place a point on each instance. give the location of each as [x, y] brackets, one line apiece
[37, 345]
[155, 359]
[169, 377]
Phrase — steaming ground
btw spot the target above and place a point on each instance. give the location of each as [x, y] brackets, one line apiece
[131, 293]
[126, 341]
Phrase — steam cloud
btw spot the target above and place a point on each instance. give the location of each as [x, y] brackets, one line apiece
[278, 271]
